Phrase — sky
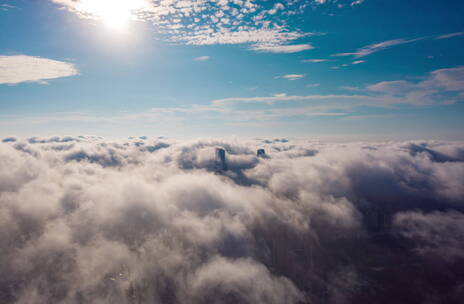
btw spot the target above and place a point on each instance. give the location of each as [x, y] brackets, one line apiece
[336, 69]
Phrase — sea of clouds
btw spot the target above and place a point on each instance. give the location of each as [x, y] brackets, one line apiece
[150, 220]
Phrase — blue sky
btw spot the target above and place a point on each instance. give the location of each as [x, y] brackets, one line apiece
[345, 69]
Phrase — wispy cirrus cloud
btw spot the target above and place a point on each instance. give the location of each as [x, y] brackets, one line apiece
[370, 116]
[450, 35]
[357, 2]
[381, 46]
[294, 48]
[315, 60]
[7, 7]
[285, 98]
[22, 68]
[376, 47]
[292, 76]
[201, 58]
[313, 85]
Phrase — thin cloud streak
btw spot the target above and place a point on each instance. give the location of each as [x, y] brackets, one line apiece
[315, 60]
[201, 58]
[451, 35]
[377, 47]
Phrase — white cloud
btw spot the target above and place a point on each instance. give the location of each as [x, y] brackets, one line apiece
[350, 88]
[262, 40]
[358, 62]
[451, 35]
[289, 98]
[21, 68]
[438, 233]
[377, 47]
[437, 88]
[292, 76]
[451, 79]
[315, 60]
[371, 116]
[201, 58]
[7, 7]
[357, 2]
[282, 48]
[94, 220]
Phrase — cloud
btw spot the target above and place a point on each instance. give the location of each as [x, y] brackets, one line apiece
[262, 40]
[339, 3]
[381, 46]
[292, 76]
[315, 60]
[21, 68]
[357, 2]
[241, 279]
[7, 7]
[312, 221]
[282, 48]
[350, 88]
[450, 79]
[377, 47]
[373, 116]
[201, 58]
[437, 233]
[283, 97]
[451, 35]
[443, 86]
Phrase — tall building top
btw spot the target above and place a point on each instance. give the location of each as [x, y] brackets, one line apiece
[261, 153]
[220, 160]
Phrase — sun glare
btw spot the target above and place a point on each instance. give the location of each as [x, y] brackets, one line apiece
[115, 14]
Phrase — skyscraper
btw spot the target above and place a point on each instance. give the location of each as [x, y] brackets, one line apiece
[261, 153]
[220, 161]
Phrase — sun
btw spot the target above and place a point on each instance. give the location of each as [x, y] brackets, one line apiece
[115, 14]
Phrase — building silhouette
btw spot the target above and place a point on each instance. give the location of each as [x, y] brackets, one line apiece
[220, 163]
[261, 153]
[378, 220]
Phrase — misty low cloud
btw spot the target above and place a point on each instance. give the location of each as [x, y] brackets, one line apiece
[151, 220]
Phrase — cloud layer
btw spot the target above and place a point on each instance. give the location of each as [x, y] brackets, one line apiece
[22, 68]
[150, 221]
